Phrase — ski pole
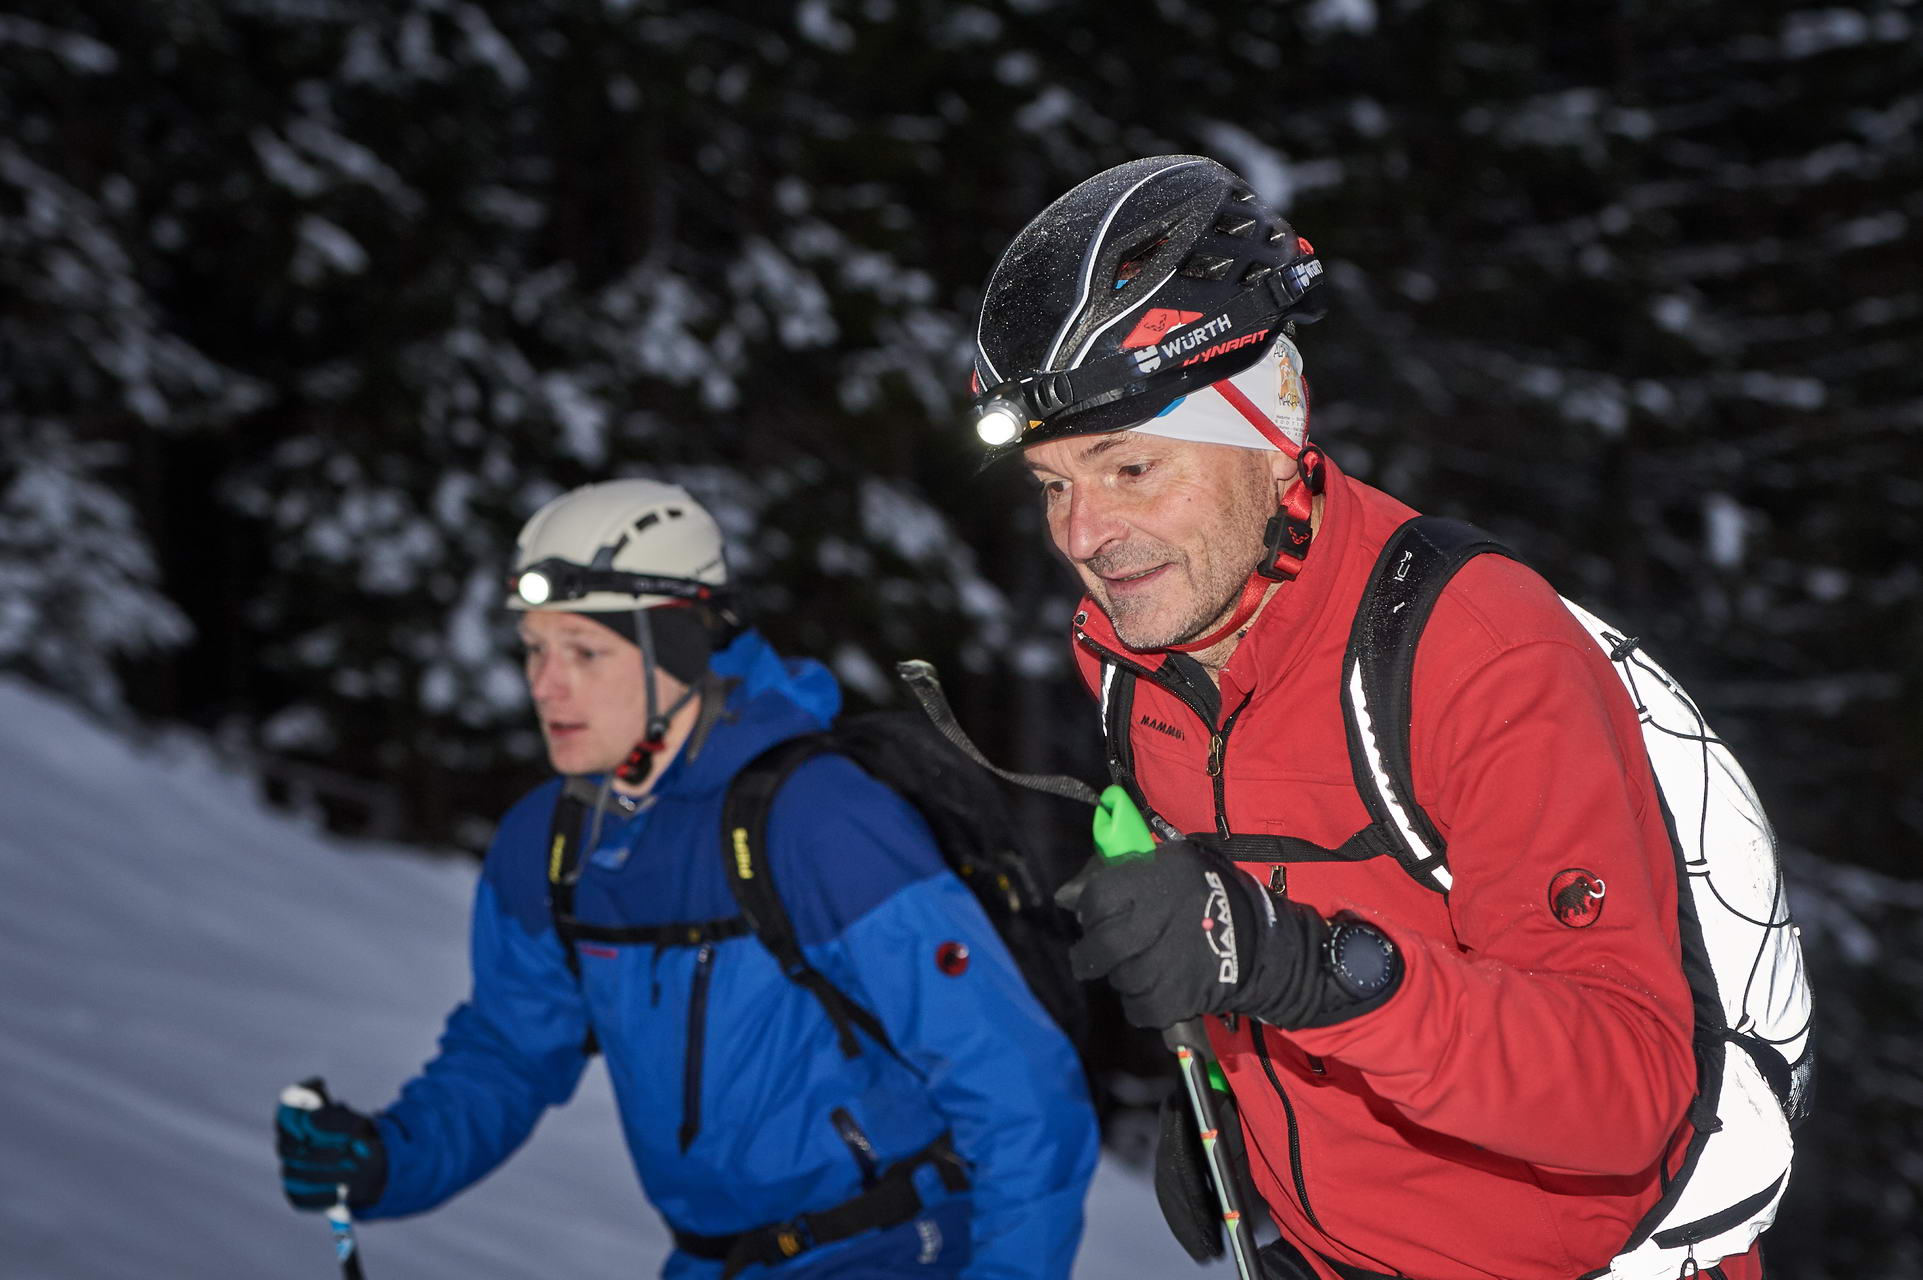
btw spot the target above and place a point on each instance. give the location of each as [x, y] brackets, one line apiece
[311, 1095]
[1121, 833]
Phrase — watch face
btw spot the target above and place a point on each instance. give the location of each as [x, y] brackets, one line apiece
[1365, 962]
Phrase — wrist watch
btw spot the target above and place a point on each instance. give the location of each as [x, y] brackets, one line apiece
[1362, 960]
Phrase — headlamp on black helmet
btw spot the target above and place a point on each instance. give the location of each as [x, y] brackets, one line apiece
[1139, 286]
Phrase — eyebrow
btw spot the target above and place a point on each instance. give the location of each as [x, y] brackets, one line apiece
[1113, 440]
[529, 636]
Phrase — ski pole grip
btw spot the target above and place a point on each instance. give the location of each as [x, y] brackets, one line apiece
[1188, 1035]
[309, 1095]
[1120, 831]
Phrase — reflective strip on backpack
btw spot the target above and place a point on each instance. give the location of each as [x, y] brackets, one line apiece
[1390, 794]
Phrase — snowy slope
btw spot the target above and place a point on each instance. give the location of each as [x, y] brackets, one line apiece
[172, 953]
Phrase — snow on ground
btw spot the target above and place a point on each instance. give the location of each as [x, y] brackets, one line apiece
[172, 953]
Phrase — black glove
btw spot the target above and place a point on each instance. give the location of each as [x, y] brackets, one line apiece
[324, 1148]
[1181, 932]
[1183, 1185]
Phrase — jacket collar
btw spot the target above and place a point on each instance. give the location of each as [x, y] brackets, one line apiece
[768, 699]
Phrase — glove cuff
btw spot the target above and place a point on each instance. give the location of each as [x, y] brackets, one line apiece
[1312, 972]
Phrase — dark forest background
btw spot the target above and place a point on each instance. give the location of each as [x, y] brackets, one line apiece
[306, 304]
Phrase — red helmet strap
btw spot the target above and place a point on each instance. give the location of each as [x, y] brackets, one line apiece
[1286, 541]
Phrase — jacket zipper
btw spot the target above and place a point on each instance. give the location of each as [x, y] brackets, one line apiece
[1295, 1134]
[697, 1031]
[1218, 738]
[1218, 747]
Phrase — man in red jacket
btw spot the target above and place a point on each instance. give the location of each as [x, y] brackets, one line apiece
[1479, 1085]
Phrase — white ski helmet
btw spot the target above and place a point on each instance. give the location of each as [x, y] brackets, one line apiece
[618, 546]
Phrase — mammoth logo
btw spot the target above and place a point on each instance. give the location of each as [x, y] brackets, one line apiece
[1576, 897]
[1218, 927]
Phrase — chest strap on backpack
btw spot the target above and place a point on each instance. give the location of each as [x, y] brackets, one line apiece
[744, 840]
[691, 934]
[1118, 700]
[891, 1201]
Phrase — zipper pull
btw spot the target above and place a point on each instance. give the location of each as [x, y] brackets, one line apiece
[1216, 743]
[1279, 880]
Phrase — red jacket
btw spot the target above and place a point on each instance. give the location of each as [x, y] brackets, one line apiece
[1503, 1116]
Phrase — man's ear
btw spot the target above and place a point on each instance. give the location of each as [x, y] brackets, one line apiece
[1283, 469]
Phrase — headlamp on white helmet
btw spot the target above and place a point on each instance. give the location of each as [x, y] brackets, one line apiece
[618, 546]
[554, 582]
[625, 553]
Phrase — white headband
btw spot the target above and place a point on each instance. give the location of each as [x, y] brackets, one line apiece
[1266, 406]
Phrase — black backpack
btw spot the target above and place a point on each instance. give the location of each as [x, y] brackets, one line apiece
[974, 826]
[968, 812]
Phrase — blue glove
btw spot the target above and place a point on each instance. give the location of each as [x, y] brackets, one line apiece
[326, 1149]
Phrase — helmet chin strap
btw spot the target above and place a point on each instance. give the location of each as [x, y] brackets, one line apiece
[1253, 592]
[1285, 545]
[634, 770]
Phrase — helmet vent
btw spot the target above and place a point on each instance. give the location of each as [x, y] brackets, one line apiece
[1206, 266]
[1134, 260]
[647, 522]
[1234, 224]
[1256, 271]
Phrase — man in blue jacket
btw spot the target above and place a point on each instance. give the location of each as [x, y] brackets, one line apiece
[960, 1147]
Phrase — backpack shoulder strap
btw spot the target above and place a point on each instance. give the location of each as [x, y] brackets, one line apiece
[1118, 713]
[744, 850]
[1416, 564]
[563, 853]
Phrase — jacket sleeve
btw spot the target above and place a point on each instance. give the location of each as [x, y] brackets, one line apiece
[511, 1051]
[1004, 1077]
[1567, 1047]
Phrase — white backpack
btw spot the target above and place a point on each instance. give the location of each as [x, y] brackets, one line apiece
[1740, 948]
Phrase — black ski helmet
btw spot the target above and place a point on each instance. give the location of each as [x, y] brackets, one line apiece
[1138, 286]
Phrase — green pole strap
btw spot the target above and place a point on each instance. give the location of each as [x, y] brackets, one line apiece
[1120, 831]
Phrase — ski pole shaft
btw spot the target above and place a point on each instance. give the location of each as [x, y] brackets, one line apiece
[1121, 832]
[311, 1095]
[1190, 1044]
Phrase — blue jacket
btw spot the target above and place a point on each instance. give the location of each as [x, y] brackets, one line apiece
[715, 1043]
